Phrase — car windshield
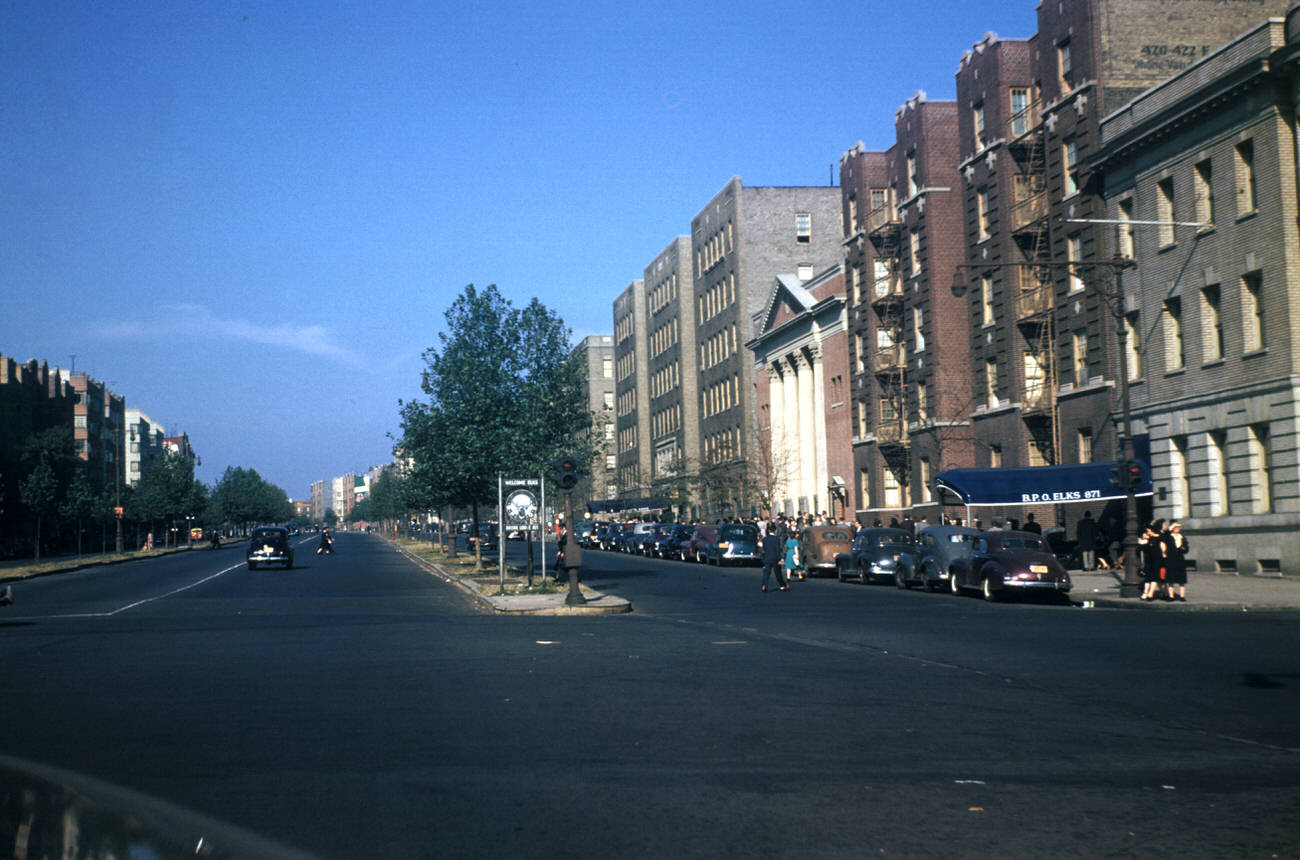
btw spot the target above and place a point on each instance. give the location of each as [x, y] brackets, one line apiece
[959, 537]
[1022, 543]
[734, 532]
[266, 535]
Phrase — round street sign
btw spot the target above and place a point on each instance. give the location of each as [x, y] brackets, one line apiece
[521, 506]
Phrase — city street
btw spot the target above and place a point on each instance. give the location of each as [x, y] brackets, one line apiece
[356, 706]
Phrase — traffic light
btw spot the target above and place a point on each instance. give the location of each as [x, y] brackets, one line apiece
[1119, 475]
[567, 472]
[1126, 475]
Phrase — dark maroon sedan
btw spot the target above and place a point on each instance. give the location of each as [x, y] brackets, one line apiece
[1002, 563]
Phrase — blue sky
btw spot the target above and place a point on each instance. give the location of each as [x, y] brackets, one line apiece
[249, 217]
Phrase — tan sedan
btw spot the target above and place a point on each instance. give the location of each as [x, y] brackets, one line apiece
[818, 546]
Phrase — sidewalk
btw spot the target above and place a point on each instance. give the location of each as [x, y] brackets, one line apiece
[1205, 592]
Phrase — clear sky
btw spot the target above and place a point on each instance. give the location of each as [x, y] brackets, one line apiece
[249, 217]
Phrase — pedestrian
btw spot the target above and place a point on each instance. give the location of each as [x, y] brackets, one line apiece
[1175, 544]
[1086, 535]
[1151, 554]
[1030, 525]
[772, 558]
[793, 563]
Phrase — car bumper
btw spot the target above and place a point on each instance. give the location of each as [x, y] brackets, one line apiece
[1035, 585]
[260, 557]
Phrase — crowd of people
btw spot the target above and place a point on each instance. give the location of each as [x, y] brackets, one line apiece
[1163, 549]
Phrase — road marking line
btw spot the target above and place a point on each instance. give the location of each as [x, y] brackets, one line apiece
[113, 612]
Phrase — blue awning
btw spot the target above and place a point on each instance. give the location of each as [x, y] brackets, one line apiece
[1035, 485]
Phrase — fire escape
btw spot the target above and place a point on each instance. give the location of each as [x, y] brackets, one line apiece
[1034, 289]
[888, 359]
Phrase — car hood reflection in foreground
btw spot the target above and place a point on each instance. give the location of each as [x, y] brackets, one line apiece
[48, 812]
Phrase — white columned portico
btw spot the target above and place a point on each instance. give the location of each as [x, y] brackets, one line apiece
[776, 440]
[807, 423]
[817, 442]
[789, 464]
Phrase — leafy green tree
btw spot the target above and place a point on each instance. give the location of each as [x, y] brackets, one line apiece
[168, 491]
[504, 394]
[39, 491]
[78, 503]
[243, 497]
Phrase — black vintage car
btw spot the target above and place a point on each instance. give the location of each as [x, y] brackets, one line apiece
[879, 554]
[1003, 562]
[269, 545]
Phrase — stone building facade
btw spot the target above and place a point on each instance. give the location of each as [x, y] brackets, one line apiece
[1213, 297]
[631, 391]
[597, 352]
[144, 443]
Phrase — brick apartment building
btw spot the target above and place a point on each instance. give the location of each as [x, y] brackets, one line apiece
[631, 391]
[32, 398]
[98, 430]
[674, 424]
[913, 392]
[597, 352]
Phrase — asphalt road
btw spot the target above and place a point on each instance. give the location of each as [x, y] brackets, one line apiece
[357, 707]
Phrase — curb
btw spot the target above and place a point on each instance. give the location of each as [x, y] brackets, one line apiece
[531, 604]
[90, 565]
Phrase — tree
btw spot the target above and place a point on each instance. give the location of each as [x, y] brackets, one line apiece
[167, 491]
[39, 491]
[79, 503]
[505, 393]
[244, 497]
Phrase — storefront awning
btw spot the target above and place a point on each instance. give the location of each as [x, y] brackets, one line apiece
[1035, 485]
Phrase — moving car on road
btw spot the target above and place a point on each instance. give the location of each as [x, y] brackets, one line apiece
[879, 554]
[269, 545]
[1003, 563]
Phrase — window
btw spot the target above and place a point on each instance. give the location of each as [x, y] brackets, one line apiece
[855, 294]
[880, 277]
[1070, 158]
[1244, 158]
[893, 490]
[1203, 194]
[913, 178]
[1034, 453]
[78, 421]
[1125, 232]
[611, 462]
[851, 216]
[609, 400]
[1175, 355]
[927, 493]
[986, 299]
[1019, 111]
[864, 487]
[862, 418]
[803, 227]
[922, 403]
[609, 432]
[991, 383]
[1182, 490]
[918, 329]
[1133, 345]
[914, 247]
[982, 212]
[804, 271]
[1085, 445]
[995, 456]
[859, 360]
[1217, 442]
[607, 367]
[981, 138]
[1166, 212]
[1079, 353]
[1261, 467]
[1252, 312]
[1211, 324]
[1074, 254]
[1065, 66]
[1035, 377]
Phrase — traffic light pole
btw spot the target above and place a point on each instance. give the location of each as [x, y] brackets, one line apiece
[572, 554]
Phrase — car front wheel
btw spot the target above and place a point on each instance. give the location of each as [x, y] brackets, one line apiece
[954, 584]
[986, 587]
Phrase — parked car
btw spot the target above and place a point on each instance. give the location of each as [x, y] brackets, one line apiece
[939, 547]
[678, 538]
[702, 539]
[598, 531]
[635, 536]
[662, 544]
[736, 543]
[879, 554]
[1003, 562]
[819, 545]
[269, 545]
